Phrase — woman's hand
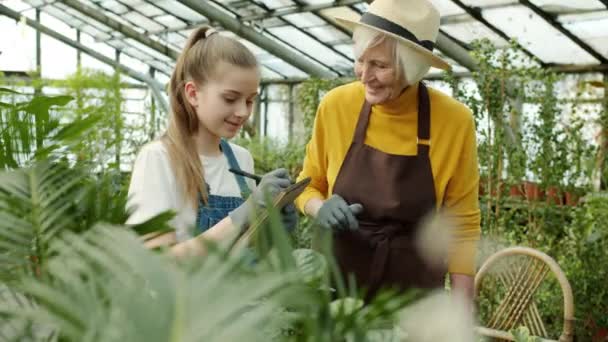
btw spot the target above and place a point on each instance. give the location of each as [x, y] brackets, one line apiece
[337, 215]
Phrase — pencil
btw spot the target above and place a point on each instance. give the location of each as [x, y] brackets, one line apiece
[256, 178]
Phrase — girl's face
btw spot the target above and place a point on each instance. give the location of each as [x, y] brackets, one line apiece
[376, 70]
[224, 103]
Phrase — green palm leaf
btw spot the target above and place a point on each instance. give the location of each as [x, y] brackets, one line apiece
[106, 286]
[35, 204]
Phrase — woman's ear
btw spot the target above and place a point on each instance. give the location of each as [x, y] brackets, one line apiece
[191, 93]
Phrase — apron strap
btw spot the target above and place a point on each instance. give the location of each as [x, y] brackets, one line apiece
[245, 191]
[424, 119]
[362, 123]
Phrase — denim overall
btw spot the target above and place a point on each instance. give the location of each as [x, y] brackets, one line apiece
[218, 207]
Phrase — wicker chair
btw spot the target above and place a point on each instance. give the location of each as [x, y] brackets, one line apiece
[521, 270]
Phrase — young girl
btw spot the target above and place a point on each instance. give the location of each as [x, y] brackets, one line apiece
[212, 91]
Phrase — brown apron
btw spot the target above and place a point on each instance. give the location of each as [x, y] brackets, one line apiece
[396, 192]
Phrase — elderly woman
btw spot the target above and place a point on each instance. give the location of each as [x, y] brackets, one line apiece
[387, 151]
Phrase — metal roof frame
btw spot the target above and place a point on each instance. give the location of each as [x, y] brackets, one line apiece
[154, 85]
[248, 33]
[475, 12]
[289, 44]
[119, 27]
[246, 27]
[551, 20]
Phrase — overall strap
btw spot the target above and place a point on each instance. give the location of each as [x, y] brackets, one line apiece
[245, 191]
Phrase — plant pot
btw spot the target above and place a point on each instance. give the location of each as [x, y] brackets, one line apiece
[516, 191]
[571, 198]
[532, 191]
[553, 195]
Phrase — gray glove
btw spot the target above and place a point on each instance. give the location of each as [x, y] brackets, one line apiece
[337, 215]
[271, 184]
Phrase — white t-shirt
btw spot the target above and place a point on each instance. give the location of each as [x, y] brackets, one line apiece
[154, 188]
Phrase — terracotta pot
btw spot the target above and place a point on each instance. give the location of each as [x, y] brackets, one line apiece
[532, 191]
[571, 198]
[516, 191]
[553, 195]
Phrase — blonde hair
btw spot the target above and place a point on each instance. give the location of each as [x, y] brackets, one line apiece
[410, 66]
[198, 62]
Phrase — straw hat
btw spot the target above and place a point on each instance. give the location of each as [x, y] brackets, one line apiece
[414, 23]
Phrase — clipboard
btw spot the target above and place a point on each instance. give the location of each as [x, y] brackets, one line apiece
[284, 198]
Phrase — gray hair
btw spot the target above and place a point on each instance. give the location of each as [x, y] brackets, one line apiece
[410, 66]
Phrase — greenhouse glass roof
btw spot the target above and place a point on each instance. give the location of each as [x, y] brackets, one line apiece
[298, 38]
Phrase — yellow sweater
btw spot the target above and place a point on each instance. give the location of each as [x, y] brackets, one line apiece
[393, 129]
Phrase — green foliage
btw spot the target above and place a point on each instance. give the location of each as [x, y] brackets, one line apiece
[522, 334]
[514, 147]
[32, 129]
[310, 93]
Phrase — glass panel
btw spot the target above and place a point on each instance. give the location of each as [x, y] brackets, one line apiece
[162, 78]
[104, 49]
[132, 3]
[469, 31]
[58, 13]
[35, 3]
[114, 6]
[17, 46]
[170, 21]
[149, 10]
[95, 33]
[447, 7]
[573, 18]
[142, 21]
[315, 2]
[135, 53]
[161, 66]
[249, 10]
[134, 64]
[574, 4]
[329, 34]
[346, 49]
[274, 4]
[285, 69]
[271, 22]
[311, 47]
[442, 86]
[57, 25]
[594, 32]
[91, 63]
[304, 19]
[488, 3]
[180, 10]
[120, 19]
[118, 44]
[149, 51]
[16, 5]
[269, 74]
[176, 38]
[537, 35]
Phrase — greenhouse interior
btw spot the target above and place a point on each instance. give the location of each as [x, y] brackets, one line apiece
[122, 217]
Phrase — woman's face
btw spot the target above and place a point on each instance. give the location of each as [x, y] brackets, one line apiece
[377, 71]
